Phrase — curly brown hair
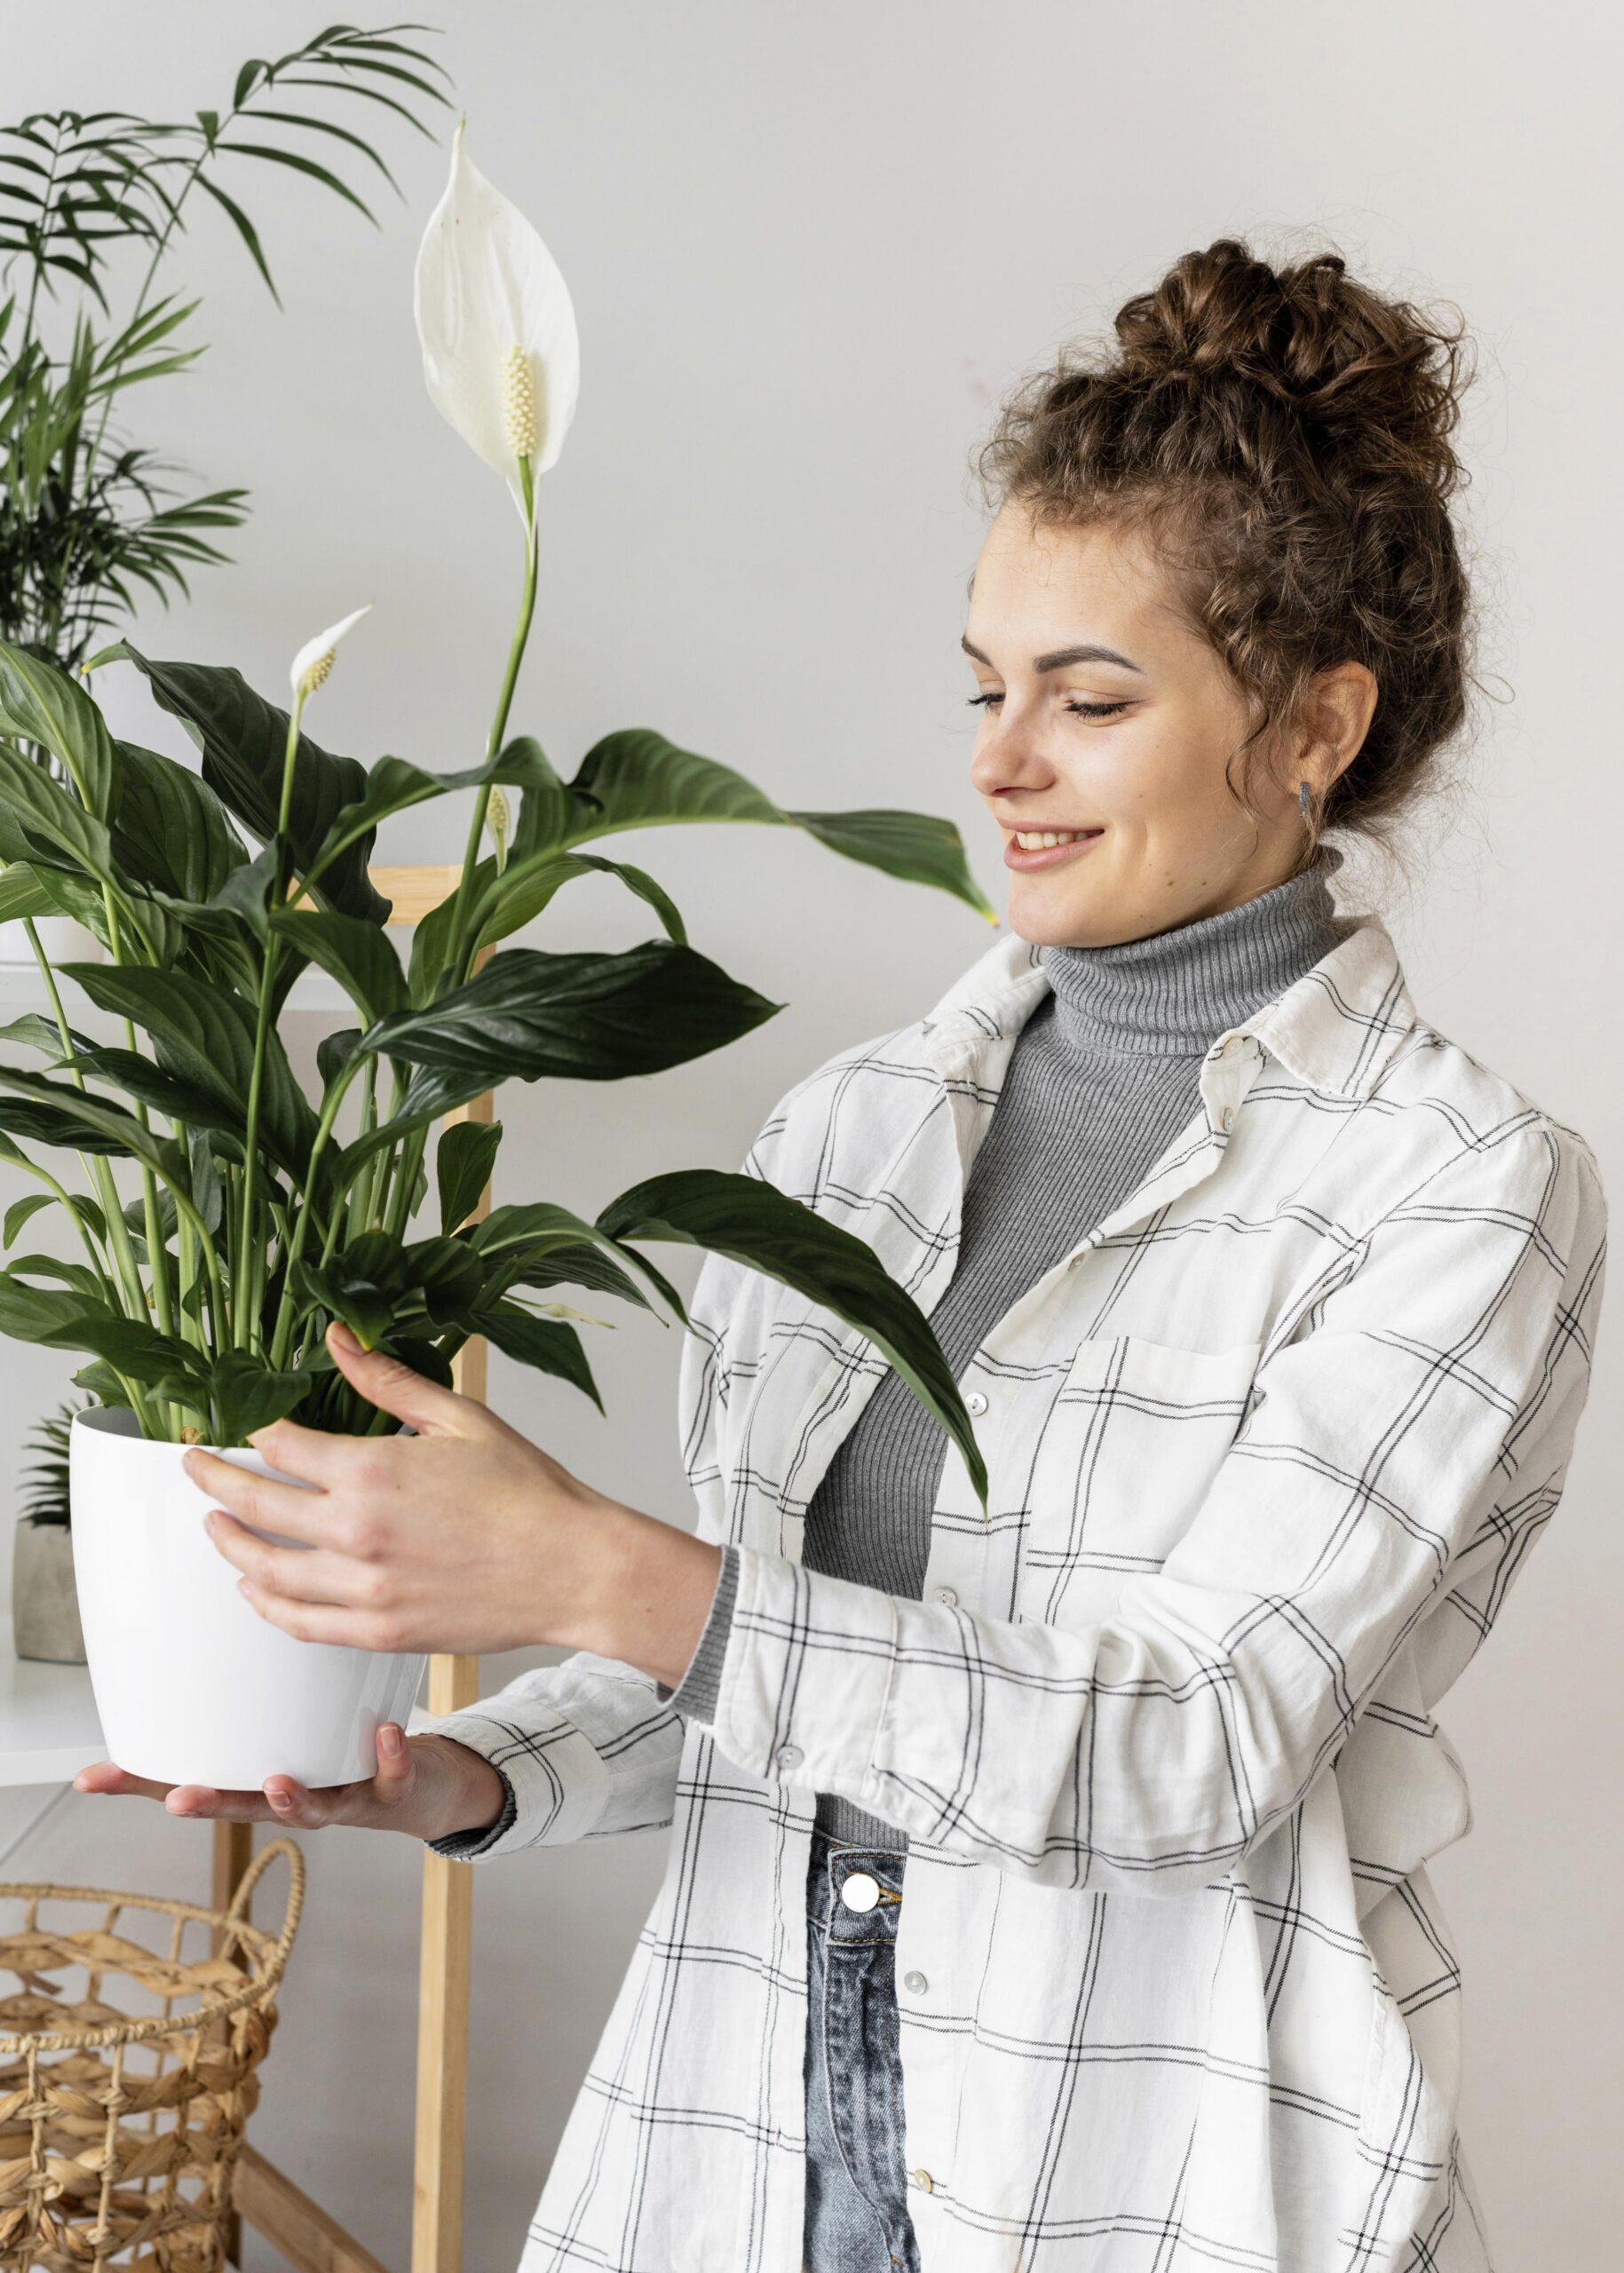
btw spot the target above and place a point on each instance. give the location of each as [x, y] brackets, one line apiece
[1282, 438]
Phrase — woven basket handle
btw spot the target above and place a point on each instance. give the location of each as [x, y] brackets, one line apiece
[250, 1879]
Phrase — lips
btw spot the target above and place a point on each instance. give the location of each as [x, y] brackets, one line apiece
[1015, 856]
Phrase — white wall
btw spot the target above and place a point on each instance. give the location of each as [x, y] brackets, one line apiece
[809, 248]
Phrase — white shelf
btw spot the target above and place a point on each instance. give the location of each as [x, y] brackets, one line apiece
[49, 1727]
[22, 988]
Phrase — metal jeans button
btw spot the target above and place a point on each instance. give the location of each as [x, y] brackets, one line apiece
[861, 1891]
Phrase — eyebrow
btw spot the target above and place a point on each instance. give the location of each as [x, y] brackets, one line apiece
[1086, 653]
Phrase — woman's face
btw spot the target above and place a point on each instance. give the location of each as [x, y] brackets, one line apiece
[1104, 712]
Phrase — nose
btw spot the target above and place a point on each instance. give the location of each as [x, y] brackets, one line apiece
[1008, 756]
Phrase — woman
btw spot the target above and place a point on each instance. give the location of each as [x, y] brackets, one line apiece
[1050, 1891]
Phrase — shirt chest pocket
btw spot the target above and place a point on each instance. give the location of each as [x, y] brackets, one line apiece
[1125, 1455]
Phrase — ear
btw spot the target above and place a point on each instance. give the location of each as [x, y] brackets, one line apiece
[1337, 710]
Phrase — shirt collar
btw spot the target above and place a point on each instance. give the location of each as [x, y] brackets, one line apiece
[1335, 1028]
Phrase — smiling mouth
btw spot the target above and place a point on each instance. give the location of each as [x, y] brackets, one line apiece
[1036, 840]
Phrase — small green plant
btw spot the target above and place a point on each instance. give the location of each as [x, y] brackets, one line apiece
[88, 519]
[45, 1483]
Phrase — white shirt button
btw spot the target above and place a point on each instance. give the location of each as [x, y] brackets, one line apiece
[975, 1402]
[946, 1597]
[861, 1891]
[922, 2178]
[915, 1983]
[1227, 1117]
[788, 1756]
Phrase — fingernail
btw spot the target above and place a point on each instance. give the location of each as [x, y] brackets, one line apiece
[280, 1799]
[339, 1332]
[392, 1740]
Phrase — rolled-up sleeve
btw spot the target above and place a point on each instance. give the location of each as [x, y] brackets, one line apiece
[584, 1749]
[1402, 1453]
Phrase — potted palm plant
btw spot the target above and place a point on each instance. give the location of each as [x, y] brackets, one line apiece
[252, 1212]
[45, 1605]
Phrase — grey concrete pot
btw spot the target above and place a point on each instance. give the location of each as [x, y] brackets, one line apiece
[44, 1604]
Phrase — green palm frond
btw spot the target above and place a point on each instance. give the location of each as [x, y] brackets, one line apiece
[86, 527]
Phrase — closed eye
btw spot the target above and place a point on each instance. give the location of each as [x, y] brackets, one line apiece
[1077, 710]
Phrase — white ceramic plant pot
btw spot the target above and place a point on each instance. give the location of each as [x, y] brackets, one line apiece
[192, 1685]
[62, 938]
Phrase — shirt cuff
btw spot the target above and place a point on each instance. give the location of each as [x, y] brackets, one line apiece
[463, 1846]
[695, 1694]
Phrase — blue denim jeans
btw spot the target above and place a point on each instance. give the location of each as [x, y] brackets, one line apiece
[857, 2214]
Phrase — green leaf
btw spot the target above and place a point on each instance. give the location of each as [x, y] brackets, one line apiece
[590, 1017]
[394, 784]
[173, 832]
[431, 1092]
[539, 1244]
[317, 172]
[58, 1118]
[916, 847]
[192, 1103]
[360, 956]
[639, 780]
[247, 1394]
[45, 705]
[52, 812]
[206, 1036]
[243, 226]
[334, 1052]
[32, 1031]
[548, 1344]
[21, 894]
[17, 1213]
[754, 1224]
[244, 740]
[463, 1167]
[521, 892]
[62, 1318]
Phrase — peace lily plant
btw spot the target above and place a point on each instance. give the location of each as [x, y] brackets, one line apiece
[253, 1213]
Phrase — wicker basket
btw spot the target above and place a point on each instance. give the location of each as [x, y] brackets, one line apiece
[119, 2128]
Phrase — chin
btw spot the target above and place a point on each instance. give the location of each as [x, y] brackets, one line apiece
[1054, 922]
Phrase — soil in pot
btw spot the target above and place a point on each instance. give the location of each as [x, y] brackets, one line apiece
[192, 1685]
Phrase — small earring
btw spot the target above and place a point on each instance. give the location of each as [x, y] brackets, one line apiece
[1303, 799]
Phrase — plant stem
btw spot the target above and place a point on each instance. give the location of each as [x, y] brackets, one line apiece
[244, 1275]
[460, 949]
[286, 1309]
[457, 957]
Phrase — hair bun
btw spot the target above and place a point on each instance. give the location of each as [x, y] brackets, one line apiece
[1378, 377]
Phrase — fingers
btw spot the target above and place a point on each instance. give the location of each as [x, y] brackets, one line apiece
[178, 1799]
[259, 1499]
[385, 1382]
[103, 1776]
[300, 1573]
[346, 1624]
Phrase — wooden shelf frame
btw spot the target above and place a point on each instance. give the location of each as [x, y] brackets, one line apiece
[262, 2195]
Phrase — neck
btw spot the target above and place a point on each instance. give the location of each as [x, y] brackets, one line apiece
[1169, 994]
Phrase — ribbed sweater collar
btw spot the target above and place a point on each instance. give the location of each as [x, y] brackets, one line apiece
[1168, 996]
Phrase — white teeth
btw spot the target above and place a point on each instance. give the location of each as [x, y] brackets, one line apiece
[1035, 840]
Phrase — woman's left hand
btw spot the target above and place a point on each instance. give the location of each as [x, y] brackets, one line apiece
[464, 1538]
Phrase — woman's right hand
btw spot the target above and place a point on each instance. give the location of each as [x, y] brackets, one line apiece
[427, 1787]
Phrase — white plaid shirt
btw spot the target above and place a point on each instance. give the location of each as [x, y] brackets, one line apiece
[1266, 1450]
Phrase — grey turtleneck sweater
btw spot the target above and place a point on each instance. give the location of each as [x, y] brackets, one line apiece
[1103, 1076]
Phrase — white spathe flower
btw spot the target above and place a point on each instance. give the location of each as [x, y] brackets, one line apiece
[314, 659]
[501, 354]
